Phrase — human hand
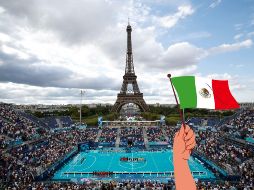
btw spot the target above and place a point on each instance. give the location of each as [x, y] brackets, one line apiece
[184, 142]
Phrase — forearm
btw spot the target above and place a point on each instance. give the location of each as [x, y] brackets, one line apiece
[183, 177]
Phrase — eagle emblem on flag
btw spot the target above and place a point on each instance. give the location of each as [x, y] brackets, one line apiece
[205, 93]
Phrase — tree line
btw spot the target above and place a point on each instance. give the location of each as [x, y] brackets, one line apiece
[90, 115]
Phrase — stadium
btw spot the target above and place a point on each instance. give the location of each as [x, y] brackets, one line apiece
[40, 153]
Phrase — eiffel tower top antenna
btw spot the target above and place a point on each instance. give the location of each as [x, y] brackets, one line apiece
[129, 68]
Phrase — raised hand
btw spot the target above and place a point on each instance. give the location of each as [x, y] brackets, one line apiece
[184, 142]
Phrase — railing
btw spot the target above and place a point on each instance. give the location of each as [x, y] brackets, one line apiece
[240, 142]
[212, 164]
[168, 174]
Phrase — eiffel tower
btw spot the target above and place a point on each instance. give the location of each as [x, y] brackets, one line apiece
[133, 94]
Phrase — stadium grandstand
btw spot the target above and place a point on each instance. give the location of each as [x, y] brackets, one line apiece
[54, 153]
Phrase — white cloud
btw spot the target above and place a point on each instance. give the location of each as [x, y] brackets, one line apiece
[230, 47]
[237, 65]
[215, 3]
[250, 34]
[252, 21]
[171, 20]
[12, 92]
[181, 55]
[238, 36]
[238, 26]
[1, 10]
[4, 37]
[9, 50]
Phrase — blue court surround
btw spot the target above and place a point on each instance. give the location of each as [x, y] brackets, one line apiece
[158, 165]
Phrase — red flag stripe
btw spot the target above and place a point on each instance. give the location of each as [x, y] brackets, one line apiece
[222, 95]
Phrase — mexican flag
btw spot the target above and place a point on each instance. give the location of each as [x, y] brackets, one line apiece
[197, 92]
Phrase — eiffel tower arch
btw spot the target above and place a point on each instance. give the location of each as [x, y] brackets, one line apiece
[130, 92]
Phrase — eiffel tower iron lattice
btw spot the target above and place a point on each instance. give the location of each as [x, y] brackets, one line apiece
[126, 94]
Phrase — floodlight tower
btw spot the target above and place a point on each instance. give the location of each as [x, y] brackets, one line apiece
[82, 92]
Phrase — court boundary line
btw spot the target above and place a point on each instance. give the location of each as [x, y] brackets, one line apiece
[71, 165]
[154, 163]
[111, 161]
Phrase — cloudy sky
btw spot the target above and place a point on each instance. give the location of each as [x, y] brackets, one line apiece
[50, 49]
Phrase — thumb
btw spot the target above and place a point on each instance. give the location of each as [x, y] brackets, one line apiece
[181, 132]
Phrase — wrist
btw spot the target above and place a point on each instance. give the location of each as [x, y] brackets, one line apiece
[179, 158]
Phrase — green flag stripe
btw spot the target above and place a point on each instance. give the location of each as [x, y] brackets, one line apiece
[186, 90]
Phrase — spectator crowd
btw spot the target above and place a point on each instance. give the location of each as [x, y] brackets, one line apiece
[39, 148]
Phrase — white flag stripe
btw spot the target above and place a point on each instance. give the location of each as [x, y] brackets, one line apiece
[204, 100]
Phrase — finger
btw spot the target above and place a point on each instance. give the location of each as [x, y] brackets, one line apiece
[190, 147]
[187, 128]
[181, 131]
[189, 135]
[191, 141]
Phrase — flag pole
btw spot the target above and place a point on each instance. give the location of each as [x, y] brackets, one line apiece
[183, 116]
[178, 106]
